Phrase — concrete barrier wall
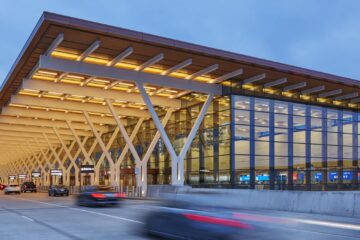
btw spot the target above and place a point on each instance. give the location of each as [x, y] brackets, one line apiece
[333, 203]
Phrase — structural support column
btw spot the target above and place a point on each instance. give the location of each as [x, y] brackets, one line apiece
[290, 146]
[308, 165]
[355, 150]
[324, 154]
[252, 143]
[272, 173]
[103, 148]
[340, 151]
[177, 169]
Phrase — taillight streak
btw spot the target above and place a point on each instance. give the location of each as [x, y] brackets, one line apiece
[217, 220]
[98, 195]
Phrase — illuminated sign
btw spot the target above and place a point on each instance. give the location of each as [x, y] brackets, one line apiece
[56, 172]
[36, 174]
[12, 177]
[87, 168]
[21, 176]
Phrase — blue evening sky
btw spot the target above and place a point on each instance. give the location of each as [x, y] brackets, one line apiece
[323, 35]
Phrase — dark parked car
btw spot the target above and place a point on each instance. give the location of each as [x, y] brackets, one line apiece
[28, 187]
[98, 196]
[178, 220]
[58, 190]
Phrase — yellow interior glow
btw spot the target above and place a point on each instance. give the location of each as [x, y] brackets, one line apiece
[353, 105]
[178, 75]
[120, 88]
[287, 94]
[100, 80]
[43, 77]
[17, 105]
[70, 81]
[98, 85]
[125, 65]
[52, 96]
[322, 100]
[47, 72]
[153, 70]
[28, 93]
[75, 76]
[96, 60]
[337, 102]
[69, 56]
[249, 87]
[269, 90]
[305, 97]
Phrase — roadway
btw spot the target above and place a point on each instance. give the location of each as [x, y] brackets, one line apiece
[37, 216]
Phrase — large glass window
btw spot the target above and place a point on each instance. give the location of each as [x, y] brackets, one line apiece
[279, 140]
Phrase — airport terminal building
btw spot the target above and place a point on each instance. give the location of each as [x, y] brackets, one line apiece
[87, 103]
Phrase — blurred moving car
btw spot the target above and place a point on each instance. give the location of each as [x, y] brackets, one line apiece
[58, 190]
[98, 196]
[12, 189]
[2, 186]
[180, 220]
[28, 187]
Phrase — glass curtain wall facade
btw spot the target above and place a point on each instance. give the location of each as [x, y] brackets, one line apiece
[248, 142]
[285, 145]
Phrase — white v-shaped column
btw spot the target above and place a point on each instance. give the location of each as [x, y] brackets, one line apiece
[177, 164]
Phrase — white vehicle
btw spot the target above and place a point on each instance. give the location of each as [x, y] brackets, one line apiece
[12, 189]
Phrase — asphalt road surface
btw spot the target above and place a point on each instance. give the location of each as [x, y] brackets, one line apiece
[37, 216]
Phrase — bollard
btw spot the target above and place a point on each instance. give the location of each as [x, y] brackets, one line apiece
[133, 191]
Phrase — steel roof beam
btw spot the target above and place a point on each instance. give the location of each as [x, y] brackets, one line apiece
[356, 100]
[48, 123]
[203, 72]
[313, 90]
[330, 93]
[96, 92]
[150, 62]
[228, 76]
[22, 128]
[74, 106]
[59, 38]
[177, 67]
[275, 83]
[254, 79]
[347, 96]
[63, 65]
[30, 135]
[89, 50]
[120, 57]
[295, 86]
[23, 112]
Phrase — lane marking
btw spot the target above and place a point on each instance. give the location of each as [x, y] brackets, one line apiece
[27, 218]
[82, 210]
[107, 215]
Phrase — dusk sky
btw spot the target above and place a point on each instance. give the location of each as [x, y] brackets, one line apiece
[323, 35]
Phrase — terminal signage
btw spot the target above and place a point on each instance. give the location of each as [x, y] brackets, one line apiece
[56, 172]
[12, 177]
[36, 174]
[22, 176]
[87, 168]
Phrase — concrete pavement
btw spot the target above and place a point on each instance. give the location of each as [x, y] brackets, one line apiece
[37, 216]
